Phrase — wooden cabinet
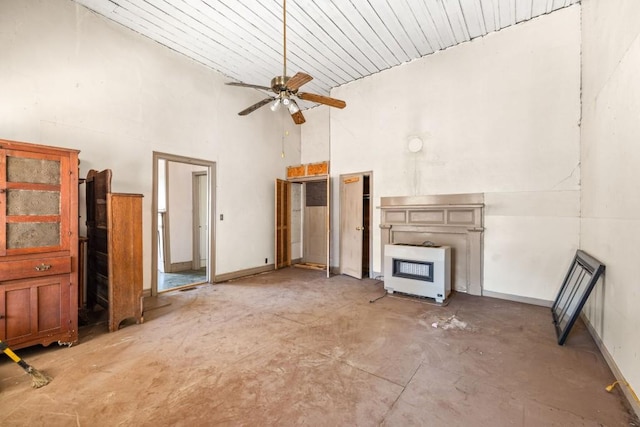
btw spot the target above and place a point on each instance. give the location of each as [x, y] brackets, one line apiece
[124, 223]
[114, 250]
[38, 244]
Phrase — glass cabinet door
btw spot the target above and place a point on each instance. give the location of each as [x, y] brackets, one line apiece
[32, 189]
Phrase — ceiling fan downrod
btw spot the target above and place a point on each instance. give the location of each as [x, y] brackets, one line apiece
[284, 38]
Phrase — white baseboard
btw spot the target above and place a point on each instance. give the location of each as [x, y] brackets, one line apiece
[229, 276]
[243, 273]
[335, 271]
[627, 391]
[518, 298]
[180, 266]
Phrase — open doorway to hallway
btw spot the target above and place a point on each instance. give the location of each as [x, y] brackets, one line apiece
[183, 212]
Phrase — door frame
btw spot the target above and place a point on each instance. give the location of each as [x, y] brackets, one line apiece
[211, 212]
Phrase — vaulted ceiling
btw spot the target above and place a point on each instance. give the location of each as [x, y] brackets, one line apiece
[335, 41]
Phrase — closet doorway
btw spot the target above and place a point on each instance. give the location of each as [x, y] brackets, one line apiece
[183, 204]
[302, 235]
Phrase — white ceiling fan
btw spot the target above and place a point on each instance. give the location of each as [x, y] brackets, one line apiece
[286, 88]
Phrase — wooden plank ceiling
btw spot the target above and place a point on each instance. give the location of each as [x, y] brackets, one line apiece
[335, 41]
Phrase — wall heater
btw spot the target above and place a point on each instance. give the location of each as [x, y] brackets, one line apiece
[418, 270]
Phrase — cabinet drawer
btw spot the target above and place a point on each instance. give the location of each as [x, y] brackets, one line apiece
[11, 270]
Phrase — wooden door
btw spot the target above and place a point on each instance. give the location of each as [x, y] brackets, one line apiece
[351, 224]
[282, 224]
[98, 185]
[34, 202]
[34, 309]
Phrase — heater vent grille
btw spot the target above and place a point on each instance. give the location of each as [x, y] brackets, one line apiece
[419, 270]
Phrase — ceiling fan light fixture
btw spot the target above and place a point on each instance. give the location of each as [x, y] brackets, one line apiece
[293, 108]
[286, 101]
[275, 105]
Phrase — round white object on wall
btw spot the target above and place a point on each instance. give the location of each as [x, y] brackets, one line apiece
[415, 144]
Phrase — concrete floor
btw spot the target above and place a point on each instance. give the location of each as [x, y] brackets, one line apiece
[294, 348]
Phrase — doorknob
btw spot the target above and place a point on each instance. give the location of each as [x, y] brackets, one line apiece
[360, 228]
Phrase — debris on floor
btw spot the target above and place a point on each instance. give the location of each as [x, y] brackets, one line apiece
[451, 322]
[310, 265]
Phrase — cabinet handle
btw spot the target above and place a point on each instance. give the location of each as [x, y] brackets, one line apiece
[42, 267]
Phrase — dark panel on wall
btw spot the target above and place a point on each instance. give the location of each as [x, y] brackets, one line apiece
[316, 193]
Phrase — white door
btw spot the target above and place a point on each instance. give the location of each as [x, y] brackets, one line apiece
[351, 224]
[200, 224]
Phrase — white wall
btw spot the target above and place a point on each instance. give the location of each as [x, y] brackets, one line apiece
[610, 227]
[500, 116]
[315, 134]
[71, 78]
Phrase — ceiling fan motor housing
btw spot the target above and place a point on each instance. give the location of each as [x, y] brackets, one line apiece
[279, 84]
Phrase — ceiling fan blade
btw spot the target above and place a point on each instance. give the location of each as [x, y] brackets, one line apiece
[298, 80]
[248, 85]
[255, 106]
[298, 118]
[321, 99]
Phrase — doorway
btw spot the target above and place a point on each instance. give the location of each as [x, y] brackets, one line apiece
[302, 221]
[355, 224]
[183, 204]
